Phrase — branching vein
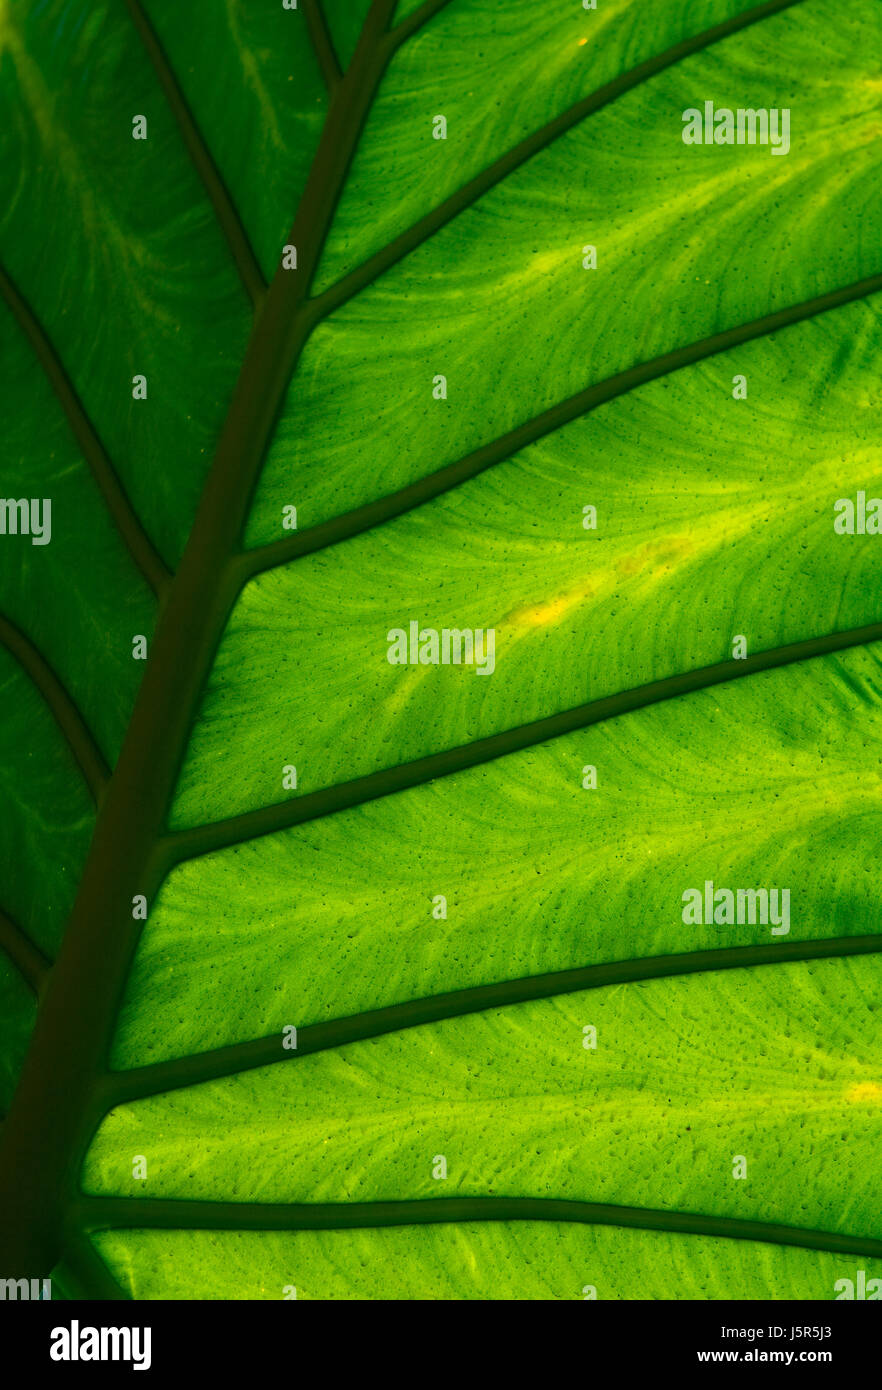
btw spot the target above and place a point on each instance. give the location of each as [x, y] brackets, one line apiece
[101, 1213]
[228, 218]
[139, 545]
[204, 839]
[64, 1082]
[27, 958]
[322, 42]
[376, 265]
[199, 1067]
[417, 19]
[501, 449]
[61, 704]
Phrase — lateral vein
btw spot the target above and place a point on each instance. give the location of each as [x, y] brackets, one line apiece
[401, 246]
[322, 43]
[373, 514]
[120, 508]
[109, 1213]
[158, 1077]
[416, 20]
[25, 955]
[62, 706]
[205, 839]
[56, 1091]
[224, 209]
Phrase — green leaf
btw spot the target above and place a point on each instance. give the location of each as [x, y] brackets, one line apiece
[368, 979]
[474, 1260]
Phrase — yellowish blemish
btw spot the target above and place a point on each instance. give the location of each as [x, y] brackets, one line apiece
[865, 1090]
[652, 560]
[542, 614]
[644, 567]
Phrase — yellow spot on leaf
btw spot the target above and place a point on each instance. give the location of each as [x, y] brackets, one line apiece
[865, 1090]
[540, 614]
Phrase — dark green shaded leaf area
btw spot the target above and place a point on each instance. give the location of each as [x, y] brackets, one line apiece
[380, 979]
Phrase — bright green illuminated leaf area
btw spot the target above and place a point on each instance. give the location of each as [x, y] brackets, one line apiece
[441, 649]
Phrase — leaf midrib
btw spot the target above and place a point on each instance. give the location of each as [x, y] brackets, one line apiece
[54, 1109]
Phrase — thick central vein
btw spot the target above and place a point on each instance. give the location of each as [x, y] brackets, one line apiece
[54, 1108]
[59, 1100]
